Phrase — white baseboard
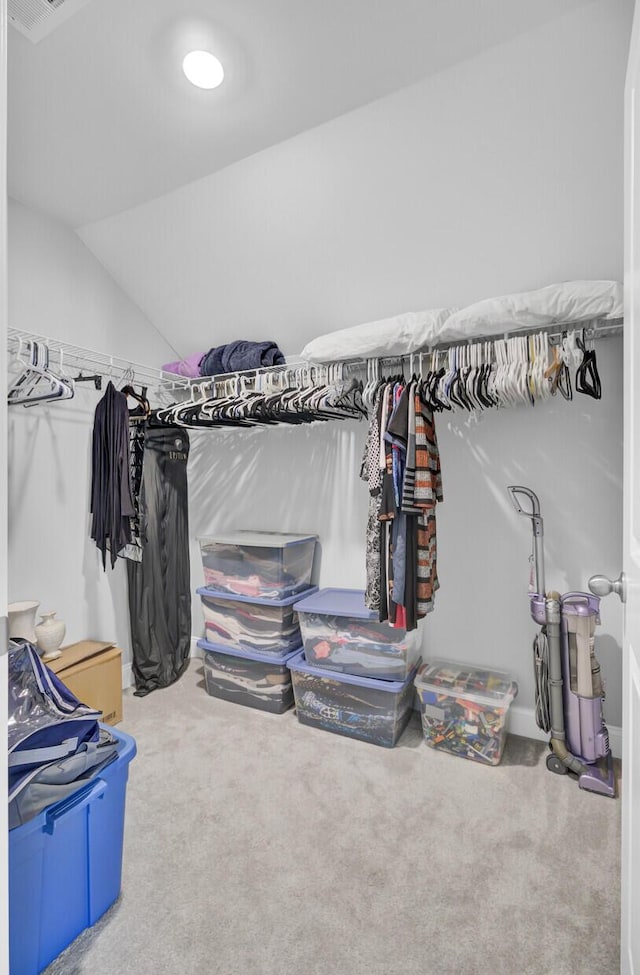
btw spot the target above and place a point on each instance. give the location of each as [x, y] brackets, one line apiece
[615, 740]
[522, 721]
[127, 676]
[127, 673]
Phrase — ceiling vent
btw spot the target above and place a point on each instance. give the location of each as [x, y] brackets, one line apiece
[38, 18]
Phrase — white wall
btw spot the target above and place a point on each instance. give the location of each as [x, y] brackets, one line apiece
[570, 453]
[500, 174]
[57, 288]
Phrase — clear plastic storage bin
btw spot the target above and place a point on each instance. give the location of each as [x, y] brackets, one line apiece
[339, 633]
[257, 625]
[464, 708]
[358, 707]
[252, 679]
[269, 565]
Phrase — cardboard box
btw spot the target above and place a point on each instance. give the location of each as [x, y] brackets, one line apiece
[93, 672]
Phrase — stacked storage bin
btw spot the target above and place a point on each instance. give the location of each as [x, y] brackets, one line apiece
[253, 582]
[465, 708]
[355, 675]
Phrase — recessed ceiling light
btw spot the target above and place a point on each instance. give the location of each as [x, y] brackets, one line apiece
[203, 69]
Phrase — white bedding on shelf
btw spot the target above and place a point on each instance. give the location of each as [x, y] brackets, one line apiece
[376, 340]
[565, 303]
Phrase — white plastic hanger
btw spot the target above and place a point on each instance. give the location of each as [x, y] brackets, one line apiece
[37, 383]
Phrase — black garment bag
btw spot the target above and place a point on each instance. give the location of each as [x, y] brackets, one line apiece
[159, 585]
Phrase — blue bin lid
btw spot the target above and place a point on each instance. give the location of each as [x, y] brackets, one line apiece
[338, 602]
[259, 600]
[298, 662]
[263, 658]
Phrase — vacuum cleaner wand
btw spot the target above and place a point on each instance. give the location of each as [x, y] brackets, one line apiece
[537, 525]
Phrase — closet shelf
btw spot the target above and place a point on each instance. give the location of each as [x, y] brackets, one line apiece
[593, 329]
[74, 358]
[115, 367]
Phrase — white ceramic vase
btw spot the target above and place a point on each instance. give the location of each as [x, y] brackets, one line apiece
[50, 634]
[22, 618]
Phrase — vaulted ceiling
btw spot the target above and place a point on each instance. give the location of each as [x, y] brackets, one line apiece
[102, 119]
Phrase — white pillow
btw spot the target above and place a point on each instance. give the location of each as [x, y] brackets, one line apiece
[564, 303]
[388, 337]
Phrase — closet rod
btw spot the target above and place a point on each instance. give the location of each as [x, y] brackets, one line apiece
[108, 366]
[154, 378]
[593, 329]
[295, 362]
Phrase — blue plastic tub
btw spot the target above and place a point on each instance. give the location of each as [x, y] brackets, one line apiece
[65, 866]
[358, 707]
[340, 633]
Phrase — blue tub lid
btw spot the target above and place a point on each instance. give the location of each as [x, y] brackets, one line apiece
[232, 597]
[257, 539]
[263, 658]
[298, 662]
[338, 602]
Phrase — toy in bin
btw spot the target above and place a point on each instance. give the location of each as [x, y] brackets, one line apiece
[464, 708]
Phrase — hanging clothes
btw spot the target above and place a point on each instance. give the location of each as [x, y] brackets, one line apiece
[371, 473]
[427, 491]
[397, 435]
[137, 428]
[159, 584]
[401, 465]
[111, 501]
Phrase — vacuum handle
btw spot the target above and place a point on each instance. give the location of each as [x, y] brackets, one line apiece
[534, 513]
[537, 526]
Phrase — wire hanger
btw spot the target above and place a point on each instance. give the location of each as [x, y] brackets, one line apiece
[587, 376]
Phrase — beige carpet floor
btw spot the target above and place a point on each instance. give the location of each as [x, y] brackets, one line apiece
[256, 845]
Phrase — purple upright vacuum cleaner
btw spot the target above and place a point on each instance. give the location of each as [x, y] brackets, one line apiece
[569, 688]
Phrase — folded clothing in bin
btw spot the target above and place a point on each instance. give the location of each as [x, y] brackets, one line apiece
[340, 633]
[54, 740]
[358, 707]
[464, 708]
[255, 680]
[253, 624]
[258, 564]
